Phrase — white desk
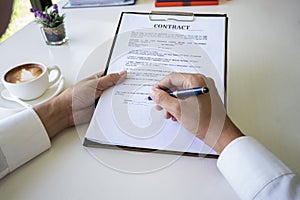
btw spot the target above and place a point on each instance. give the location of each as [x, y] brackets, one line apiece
[263, 99]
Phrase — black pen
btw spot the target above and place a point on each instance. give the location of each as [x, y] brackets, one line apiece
[186, 92]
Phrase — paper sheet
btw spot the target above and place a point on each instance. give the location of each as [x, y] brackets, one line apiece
[149, 50]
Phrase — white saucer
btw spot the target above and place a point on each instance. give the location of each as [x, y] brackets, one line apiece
[49, 94]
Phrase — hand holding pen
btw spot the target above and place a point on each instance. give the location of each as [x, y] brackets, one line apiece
[194, 114]
[205, 116]
[187, 92]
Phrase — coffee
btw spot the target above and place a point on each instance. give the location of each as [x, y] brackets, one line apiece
[23, 73]
[29, 81]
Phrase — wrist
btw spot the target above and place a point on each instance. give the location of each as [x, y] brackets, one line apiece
[55, 115]
[229, 133]
[218, 139]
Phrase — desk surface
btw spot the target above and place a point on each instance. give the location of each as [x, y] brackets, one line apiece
[263, 70]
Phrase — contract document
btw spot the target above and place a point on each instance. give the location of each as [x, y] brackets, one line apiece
[149, 47]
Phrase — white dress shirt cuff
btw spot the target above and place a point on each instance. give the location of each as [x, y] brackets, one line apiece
[22, 137]
[249, 167]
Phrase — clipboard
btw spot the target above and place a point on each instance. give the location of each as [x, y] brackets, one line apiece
[176, 16]
[154, 16]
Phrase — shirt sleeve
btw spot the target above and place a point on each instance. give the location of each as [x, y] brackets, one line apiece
[22, 137]
[255, 173]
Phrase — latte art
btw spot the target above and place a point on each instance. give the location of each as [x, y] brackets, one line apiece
[30, 80]
[23, 73]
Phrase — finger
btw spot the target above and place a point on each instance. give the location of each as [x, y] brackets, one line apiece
[174, 119]
[109, 80]
[98, 75]
[95, 76]
[170, 104]
[170, 82]
[158, 107]
[173, 81]
[182, 81]
[168, 115]
[123, 76]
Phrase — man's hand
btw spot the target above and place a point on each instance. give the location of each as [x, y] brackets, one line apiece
[76, 104]
[204, 115]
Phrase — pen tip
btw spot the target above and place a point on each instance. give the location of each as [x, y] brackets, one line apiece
[149, 98]
[205, 90]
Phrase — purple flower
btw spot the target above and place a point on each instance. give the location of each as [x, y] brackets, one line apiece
[49, 17]
[42, 16]
[33, 10]
[55, 8]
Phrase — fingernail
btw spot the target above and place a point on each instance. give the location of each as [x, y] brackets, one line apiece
[123, 73]
[122, 76]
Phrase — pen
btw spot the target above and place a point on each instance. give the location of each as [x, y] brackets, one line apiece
[187, 92]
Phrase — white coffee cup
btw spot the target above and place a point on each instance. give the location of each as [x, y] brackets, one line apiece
[29, 81]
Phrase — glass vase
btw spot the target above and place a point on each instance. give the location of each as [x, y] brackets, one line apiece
[54, 36]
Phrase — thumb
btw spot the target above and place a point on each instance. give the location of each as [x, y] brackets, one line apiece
[170, 104]
[109, 80]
